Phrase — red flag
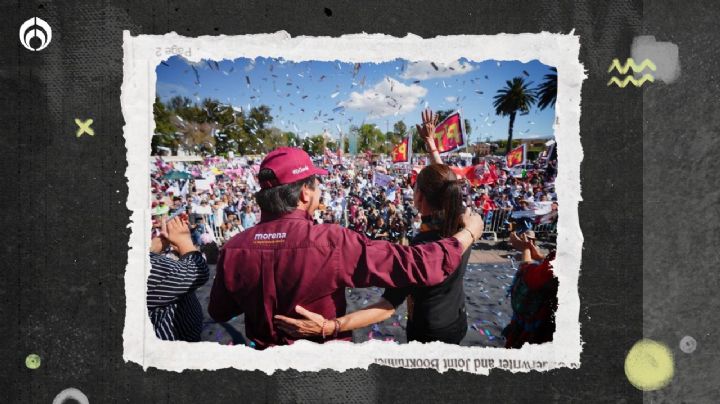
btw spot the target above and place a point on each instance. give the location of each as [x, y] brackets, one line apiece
[493, 172]
[449, 133]
[459, 171]
[400, 152]
[413, 174]
[481, 174]
[487, 204]
[515, 157]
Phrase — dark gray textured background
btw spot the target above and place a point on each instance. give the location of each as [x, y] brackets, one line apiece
[65, 220]
[681, 145]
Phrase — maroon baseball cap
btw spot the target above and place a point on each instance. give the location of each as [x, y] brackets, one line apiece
[290, 165]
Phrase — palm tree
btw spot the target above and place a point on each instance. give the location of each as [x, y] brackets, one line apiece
[516, 96]
[547, 90]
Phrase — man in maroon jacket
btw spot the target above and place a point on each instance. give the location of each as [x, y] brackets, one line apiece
[286, 260]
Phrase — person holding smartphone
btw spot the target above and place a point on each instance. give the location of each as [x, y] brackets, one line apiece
[174, 310]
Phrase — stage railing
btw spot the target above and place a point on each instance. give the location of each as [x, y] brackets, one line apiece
[496, 226]
[217, 231]
[496, 223]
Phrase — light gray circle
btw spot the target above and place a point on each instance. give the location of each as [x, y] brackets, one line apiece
[688, 344]
[71, 393]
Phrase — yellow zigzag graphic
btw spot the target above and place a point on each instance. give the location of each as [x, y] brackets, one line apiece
[630, 63]
[630, 79]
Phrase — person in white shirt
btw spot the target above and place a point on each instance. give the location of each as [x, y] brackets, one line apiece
[219, 213]
[247, 217]
[338, 209]
[233, 228]
[203, 208]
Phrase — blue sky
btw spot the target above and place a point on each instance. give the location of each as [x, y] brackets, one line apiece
[310, 97]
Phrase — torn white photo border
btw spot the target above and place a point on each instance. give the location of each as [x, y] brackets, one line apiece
[143, 53]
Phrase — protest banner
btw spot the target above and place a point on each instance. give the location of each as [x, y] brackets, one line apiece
[449, 134]
[202, 184]
[515, 157]
[400, 153]
[382, 180]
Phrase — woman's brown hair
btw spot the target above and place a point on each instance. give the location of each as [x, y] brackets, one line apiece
[442, 190]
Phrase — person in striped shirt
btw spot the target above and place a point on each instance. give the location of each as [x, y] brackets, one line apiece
[174, 309]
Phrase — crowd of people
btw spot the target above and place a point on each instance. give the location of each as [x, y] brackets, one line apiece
[241, 203]
[222, 204]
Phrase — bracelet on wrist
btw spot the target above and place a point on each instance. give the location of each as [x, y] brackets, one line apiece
[337, 328]
[471, 234]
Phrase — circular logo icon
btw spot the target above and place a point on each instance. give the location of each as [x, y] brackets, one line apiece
[35, 34]
[33, 361]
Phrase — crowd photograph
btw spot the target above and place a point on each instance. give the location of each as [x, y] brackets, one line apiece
[404, 201]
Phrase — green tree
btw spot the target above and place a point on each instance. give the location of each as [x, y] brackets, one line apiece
[399, 132]
[400, 128]
[259, 117]
[274, 138]
[547, 90]
[314, 145]
[231, 135]
[371, 138]
[259, 137]
[418, 144]
[164, 130]
[293, 139]
[185, 109]
[178, 103]
[392, 138]
[516, 96]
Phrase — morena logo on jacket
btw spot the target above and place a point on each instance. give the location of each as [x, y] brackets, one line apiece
[270, 236]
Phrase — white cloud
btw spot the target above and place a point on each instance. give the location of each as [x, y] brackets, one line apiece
[198, 64]
[388, 97]
[451, 99]
[424, 70]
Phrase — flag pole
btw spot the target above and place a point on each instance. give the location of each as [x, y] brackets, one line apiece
[410, 152]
